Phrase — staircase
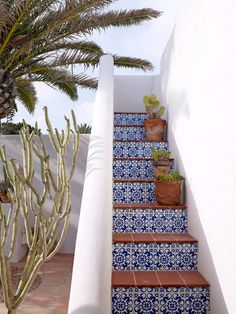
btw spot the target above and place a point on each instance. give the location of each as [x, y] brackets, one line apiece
[154, 257]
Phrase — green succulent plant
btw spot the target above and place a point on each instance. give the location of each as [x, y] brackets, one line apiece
[174, 176]
[160, 154]
[151, 103]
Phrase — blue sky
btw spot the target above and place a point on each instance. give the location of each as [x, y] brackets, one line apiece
[145, 41]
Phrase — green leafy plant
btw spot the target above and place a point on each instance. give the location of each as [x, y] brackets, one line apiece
[41, 41]
[85, 128]
[160, 154]
[174, 176]
[29, 202]
[153, 108]
[9, 128]
[5, 186]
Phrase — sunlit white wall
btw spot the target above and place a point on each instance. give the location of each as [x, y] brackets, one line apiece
[198, 84]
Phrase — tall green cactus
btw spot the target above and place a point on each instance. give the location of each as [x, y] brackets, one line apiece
[26, 200]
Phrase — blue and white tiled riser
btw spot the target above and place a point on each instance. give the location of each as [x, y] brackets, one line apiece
[150, 220]
[155, 256]
[137, 149]
[134, 169]
[129, 118]
[129, 133]
[160, 300]
[133, 193]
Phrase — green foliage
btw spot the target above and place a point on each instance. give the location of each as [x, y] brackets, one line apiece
[85, 128]
[5, 186]
[160, 154]
[173, 176]
[40, 40]
[13, 128]
[151, 103]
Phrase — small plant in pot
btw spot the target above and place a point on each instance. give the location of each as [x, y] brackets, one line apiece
[168, 188]
[5, 187]
[161, 161]
[154, 125]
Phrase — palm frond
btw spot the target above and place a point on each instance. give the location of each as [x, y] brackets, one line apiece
[26, 94]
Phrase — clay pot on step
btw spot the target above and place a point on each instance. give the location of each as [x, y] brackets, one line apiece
[161, 167]
[4, 197]
[168, 192]
[154, 129]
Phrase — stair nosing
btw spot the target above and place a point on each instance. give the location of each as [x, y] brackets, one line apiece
[158, 283]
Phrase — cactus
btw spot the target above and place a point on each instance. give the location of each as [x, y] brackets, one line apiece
[152, 103]
[27, 201]
[160, 154]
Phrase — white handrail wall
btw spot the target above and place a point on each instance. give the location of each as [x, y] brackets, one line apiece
[91, 279]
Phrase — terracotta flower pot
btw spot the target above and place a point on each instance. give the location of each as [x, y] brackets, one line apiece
[154, 129]
[4, 197]
[168, 192]
[161, 167]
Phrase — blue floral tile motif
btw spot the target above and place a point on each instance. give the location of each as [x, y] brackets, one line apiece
[129, 133]
[134, 169]
[150, 220]
[122, 300]
[137, 149]
[197, 300]
[146, 301]
[121, 256]
[152, 256]
[133, 193]
[186, 256]
[129, 118]
[172, 300]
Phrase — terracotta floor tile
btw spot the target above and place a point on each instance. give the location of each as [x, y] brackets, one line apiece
[142, 238]
[184, 237]
[165, 237]
[123, 279]
[170, 279]
[146, 279]
[122, 238]
[193, 279]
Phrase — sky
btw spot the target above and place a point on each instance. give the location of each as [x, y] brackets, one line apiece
[146, 41]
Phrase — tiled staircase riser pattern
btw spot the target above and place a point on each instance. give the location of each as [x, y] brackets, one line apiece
[133, 184]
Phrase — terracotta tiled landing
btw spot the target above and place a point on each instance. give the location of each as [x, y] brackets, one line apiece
[153, 237]
[158, 279]
[147, 206]
[52, 296]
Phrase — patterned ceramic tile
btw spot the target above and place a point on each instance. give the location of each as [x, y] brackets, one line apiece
[197, 300]
[153, 256]
[172, 300]
[129, 118]
[133, 193]
[186, 255]
[122, 300]
[129, 133]
[134, 169]
[150, 220]
[146, 301]
[137, 149]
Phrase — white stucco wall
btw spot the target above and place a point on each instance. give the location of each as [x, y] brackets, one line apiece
[198, 84]
[130, 89]
[13, 146]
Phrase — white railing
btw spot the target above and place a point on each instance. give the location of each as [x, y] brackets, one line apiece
[91, 279]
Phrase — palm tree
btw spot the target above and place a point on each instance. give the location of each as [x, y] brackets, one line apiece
[40, 39]
[85, 128]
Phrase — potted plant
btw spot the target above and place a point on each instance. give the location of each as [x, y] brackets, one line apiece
[161, 161]
[5, 187]
[168, 188]
[154, 125]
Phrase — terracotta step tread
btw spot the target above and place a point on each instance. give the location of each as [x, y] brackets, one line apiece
[147, 206]
[133, 181]
[140, 158]
[139, 141]
[153, 237]
[158, 279]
